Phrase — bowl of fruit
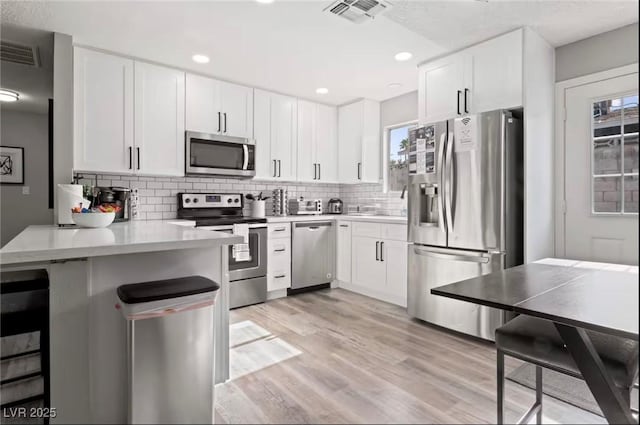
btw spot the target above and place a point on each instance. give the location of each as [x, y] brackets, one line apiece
[101, 216]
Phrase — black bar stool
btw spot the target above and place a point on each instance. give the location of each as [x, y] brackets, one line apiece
[25, 309]
[538, 342]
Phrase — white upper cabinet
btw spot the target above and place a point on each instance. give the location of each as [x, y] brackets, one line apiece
[481, 78]
[359, 142]
[103, 112]
[218, 107]
[317, 142]
[159, 120]
[440, 85]
[275, 133]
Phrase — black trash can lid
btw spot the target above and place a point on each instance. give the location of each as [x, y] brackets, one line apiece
[156, 290]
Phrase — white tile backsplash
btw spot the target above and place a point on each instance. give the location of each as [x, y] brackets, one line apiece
[158, 200]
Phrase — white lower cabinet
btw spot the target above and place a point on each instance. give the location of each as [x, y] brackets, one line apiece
[378, 266]
[343, 251]
[278, 257]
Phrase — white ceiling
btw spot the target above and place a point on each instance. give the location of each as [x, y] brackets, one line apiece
[293, 47]
[454, 24]
[34, 84]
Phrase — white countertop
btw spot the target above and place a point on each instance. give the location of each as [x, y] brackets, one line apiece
[50, 242]
[368, 218]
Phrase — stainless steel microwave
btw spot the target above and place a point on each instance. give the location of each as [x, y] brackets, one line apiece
[218, 155]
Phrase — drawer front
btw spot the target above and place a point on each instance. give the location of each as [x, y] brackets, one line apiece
[279, 230]
[394, 232]
[279, 263]
[366, 229]
[278, 281]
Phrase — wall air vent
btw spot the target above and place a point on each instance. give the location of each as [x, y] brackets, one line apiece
[358, 11]
[17, 53]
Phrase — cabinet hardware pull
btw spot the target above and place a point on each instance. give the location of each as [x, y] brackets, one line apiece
[344, 225]
[130, 157]
[458, 101]
[466, 110]
[280, 276]
[315, 171]
[138, 157]
[219, 122]
[275, 172]
[381, 251]
[359, 170]
[279, 168]
[280, 250]
[377, 246]
[280, 229]
[225, 122]
[319, 171]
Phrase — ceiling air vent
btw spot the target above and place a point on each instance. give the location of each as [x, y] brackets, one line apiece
[17, 53]
[358, 11]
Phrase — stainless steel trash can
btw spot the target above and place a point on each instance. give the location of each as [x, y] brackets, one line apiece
[170, 349]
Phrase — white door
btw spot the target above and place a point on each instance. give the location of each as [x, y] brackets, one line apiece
[307, 163]
[237, 110]
[159, 120]
[343, 252]
[203, 109]
[283, 135]
[326, 143]
[395, 259]
[440, 89]
[350, 143]
[103, 112]
[601, 170]
[367, 268]
[493, 75]
[265, 166]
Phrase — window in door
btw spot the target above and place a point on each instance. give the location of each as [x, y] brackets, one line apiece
[396, 173]
[615, 155]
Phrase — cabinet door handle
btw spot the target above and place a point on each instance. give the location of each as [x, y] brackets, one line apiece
[219, 122]
[466, 110]
[315, 172]
[130, 157]
[225, 122]
[280, 250]
[138, 157]
[280, 276]
[381, 251]
[319, 171]
[280, 229]
[279, 168]
[377, 247]
[275, 169]
[344, 225]
[458, 101]
[359, 170]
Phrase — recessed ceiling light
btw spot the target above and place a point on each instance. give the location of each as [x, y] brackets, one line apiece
[200, 58]
[265, 1]
[8, 95]
[322, 90]
[403, 56]
[394, 85]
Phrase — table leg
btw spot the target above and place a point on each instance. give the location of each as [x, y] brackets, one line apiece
[595, 375]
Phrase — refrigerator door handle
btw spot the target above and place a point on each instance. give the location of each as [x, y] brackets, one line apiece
[448, 195]
[440, 202]
[452, 257]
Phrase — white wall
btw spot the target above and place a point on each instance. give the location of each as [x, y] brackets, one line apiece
[30, 131]
[598, 53]
[399, 109]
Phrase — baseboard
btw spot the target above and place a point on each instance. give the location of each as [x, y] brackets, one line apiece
[363, 290]
[278, 293]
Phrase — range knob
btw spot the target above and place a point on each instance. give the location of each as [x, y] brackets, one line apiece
[236, 200]
[195, 200]
[187, 200]
[229, 200]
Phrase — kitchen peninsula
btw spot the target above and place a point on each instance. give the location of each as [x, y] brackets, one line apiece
[85, 266]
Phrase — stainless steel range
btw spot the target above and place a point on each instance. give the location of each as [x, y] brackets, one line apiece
[219, 212]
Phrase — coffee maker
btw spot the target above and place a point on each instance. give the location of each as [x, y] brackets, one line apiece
[115, 196]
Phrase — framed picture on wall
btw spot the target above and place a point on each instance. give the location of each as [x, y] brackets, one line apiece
[11, 165]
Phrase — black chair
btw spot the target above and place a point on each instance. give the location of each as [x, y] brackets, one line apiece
[24, 309]
[538, 342]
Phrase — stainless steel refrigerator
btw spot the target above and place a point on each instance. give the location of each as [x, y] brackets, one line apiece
[465, 213]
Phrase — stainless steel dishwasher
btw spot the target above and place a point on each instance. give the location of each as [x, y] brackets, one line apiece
[313, 259]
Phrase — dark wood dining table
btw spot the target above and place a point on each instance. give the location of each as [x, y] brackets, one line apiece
[575, 296]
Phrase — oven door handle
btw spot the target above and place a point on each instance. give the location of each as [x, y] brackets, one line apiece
[245, 163]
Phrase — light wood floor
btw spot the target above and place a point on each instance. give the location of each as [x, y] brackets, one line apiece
[333, 356]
